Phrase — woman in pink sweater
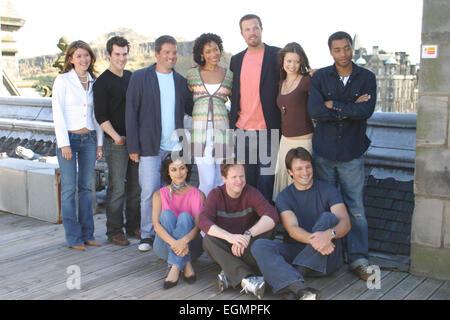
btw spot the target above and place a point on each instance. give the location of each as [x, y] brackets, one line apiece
[176, 208]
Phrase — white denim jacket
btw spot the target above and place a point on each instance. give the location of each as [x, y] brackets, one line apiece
[73, 108]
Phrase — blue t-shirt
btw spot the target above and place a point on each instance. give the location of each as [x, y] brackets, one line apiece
[309, 204]
[167, 93]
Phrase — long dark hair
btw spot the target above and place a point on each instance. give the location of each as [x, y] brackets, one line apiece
[294, 47]
[79, 44]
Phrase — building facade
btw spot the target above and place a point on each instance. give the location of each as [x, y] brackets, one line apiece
[397, 78]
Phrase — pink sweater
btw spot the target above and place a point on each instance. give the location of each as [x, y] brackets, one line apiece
[190, 202]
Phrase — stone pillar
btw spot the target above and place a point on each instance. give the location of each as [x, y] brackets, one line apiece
[430, 235]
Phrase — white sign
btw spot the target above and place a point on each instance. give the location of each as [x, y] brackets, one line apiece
[429, 51]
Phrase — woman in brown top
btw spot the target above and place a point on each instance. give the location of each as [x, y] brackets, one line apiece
[296, 125]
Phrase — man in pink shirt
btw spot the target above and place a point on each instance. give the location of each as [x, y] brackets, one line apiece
[253, 106]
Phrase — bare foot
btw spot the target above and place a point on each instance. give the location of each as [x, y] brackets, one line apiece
[188, 270]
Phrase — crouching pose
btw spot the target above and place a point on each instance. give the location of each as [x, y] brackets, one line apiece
[176, 208]
[315, 217]
[233, 216]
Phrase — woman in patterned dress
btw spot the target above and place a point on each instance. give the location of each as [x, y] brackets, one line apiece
[210, 83]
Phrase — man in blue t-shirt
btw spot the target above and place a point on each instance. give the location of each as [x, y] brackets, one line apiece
[315, 217]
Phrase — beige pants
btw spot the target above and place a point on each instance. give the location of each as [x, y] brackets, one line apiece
[282, 178]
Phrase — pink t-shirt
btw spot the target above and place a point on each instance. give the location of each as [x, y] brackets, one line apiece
[190, 202]
[251, 116]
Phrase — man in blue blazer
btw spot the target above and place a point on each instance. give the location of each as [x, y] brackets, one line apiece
[156, 101]
[254, 109]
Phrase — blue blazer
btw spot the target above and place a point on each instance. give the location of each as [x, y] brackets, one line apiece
[143, 110]
[268, 87]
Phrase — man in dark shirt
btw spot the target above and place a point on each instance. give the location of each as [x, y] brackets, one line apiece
[123, 185]
[342, 97]
[233, 215]
[254, 105]
[314, 215]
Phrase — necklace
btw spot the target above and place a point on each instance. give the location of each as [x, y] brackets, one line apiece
[288, 86]
[86, 77]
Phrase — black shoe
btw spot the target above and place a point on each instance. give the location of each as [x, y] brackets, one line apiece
[190, 279]
[169, 284]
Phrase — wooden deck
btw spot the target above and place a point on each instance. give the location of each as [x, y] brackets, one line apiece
[34, 260]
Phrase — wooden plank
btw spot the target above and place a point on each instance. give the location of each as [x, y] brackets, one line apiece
[205, 269]
[337, 286]
[403, 288]
[94, 281]
[154, 283]
[425, 289]
[55, 273]
[322, 282]
[443, 293]
[357, 289]
[388, 283]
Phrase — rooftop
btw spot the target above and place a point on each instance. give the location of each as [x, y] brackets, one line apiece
[34, 261]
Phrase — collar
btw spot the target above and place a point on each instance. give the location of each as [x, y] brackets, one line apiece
[73, 74]
[355, 70]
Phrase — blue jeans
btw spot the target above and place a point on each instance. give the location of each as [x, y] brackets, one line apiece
[177, 228]
[280, 263]
[123, 188]
[78, 229]
[258, 162]
[349, 178]
[150, 181]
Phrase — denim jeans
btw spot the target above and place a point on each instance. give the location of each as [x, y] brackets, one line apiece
[177, 228]
[349, 178]
[259, 167]
[123, 188]
[280, 263]
[149, 181]
[79, 171]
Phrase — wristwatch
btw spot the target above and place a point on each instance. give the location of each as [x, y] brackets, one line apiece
[333, 232]
[248, 233]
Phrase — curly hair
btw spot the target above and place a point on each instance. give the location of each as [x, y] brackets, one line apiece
[200, 43]
[166, 162]
[294, 47]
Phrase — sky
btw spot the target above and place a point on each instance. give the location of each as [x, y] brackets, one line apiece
[392, 25]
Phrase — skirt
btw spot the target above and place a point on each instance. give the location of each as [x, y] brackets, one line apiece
[282, 178]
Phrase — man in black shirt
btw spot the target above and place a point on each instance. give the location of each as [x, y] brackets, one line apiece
[123, 183]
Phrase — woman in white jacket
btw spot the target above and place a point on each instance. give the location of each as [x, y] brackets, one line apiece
[79, 141]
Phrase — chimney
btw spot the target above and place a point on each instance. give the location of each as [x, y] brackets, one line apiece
[375, 50]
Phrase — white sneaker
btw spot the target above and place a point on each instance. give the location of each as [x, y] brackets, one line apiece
[24, 153]
[222, 281]
[309, 294]
[254, 285]
[144, 247]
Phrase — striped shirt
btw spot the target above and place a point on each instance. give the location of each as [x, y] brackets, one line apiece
[235, 215]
